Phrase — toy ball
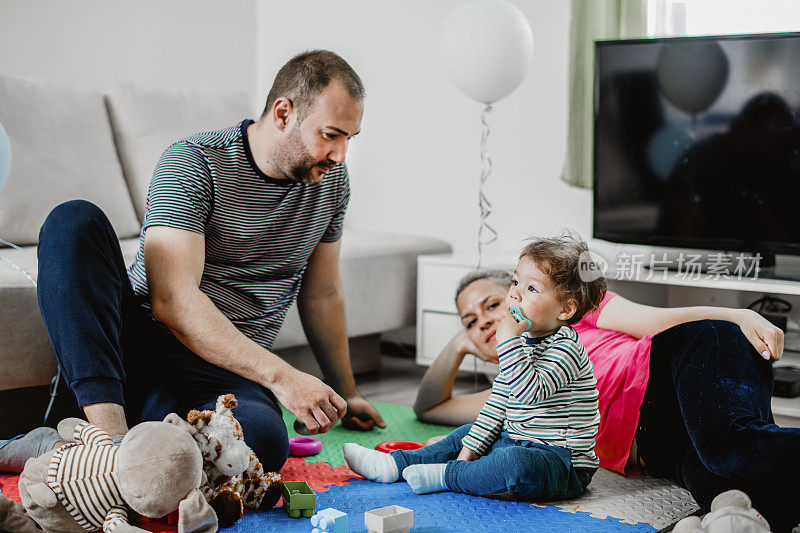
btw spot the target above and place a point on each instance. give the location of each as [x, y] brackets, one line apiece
[392, 445]
[302, 446]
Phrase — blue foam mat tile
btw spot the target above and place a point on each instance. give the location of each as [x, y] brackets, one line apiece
[438, 512]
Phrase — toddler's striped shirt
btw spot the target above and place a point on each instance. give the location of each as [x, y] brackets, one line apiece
[546, 393]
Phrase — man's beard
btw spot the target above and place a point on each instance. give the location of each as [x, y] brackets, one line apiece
[295, 160]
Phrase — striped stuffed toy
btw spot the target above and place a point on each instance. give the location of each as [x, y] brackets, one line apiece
[90, 484]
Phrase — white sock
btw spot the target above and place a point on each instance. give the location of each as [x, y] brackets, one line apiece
[14, 453]
[372, 464]
[425, 478]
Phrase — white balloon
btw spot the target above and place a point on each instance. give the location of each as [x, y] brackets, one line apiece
[692, 75]
[5, 157]
[487, 46]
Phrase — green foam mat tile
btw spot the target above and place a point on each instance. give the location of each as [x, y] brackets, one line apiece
[401, 424]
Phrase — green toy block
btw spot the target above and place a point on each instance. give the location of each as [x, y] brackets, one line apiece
[298, 499]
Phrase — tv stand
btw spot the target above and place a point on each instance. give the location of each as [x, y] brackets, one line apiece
[774, 272]
[762, 284]
[768, 268]
[783, 272]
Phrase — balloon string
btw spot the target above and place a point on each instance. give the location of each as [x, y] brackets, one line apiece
[483, 202]
[19, 269]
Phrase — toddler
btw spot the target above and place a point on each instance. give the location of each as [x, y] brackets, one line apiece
[534, 438]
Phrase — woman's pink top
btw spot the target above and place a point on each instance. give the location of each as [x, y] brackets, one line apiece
[621, 368]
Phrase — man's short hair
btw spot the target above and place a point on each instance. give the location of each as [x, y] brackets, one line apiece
[501, 277]
[559, 258]
[303, 78]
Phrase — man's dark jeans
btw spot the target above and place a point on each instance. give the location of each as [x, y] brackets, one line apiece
[110, 350]
[706, 421]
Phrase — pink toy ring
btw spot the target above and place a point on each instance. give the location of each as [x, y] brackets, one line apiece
[301, 446]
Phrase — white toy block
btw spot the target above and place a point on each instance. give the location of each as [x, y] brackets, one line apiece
[389, 519]
[329, 520]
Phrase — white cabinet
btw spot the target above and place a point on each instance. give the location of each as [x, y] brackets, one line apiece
[437, 318]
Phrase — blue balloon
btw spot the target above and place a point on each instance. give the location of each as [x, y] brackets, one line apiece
[5, 157]
[665, 149]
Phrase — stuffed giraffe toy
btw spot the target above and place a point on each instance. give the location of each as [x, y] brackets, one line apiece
[236, 479]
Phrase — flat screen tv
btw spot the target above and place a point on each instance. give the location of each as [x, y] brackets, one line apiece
[697, 142]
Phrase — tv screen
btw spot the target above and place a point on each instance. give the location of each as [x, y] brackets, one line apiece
[697, 142]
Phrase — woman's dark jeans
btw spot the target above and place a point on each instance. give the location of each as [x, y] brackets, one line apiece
[706, 421]
[110, 350]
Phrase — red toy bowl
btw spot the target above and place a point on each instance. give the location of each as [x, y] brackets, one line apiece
[302, 446]
[392, 445]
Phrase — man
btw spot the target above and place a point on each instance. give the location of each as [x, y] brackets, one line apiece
[239, 223]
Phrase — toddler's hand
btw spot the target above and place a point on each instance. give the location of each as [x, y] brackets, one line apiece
[508, 328]
[467, 455]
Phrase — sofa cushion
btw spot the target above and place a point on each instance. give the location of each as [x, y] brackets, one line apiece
[147, 121]
[26, 354]
[62, 149]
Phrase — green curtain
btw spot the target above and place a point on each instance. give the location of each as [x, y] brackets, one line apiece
[592, 20]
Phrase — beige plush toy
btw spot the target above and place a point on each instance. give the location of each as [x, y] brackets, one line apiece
[236, 479]
[731, 512]
[89, 484]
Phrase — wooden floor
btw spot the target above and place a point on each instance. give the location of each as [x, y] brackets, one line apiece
[399, 378]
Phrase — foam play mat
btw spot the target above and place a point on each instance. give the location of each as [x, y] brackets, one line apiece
[611, 503]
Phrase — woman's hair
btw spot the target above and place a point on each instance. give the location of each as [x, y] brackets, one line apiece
[561, 259]
[501, 277]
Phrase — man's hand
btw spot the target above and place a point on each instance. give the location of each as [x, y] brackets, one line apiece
[361, 415]
[309, 399]
[762, 334]
[508, 328]
[467, 455]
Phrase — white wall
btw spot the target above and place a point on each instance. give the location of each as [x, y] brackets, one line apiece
[415, 166]
[175, 44]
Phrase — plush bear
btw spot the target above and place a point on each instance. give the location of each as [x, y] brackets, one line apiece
[89, 484]
[731, 512]
[236, 479]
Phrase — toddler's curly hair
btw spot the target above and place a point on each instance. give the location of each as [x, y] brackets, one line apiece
[560, 258]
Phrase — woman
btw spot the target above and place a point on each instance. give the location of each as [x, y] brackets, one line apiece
[684, 393]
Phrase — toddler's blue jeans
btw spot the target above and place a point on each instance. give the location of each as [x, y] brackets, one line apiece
[111, 351]
[511, 470]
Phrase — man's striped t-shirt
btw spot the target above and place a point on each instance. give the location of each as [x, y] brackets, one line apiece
[545, 393]
[259, 231]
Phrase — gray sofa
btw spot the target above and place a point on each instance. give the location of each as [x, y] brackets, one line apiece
[74, 143]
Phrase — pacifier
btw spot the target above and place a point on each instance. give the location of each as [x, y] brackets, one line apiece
[516, 312]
